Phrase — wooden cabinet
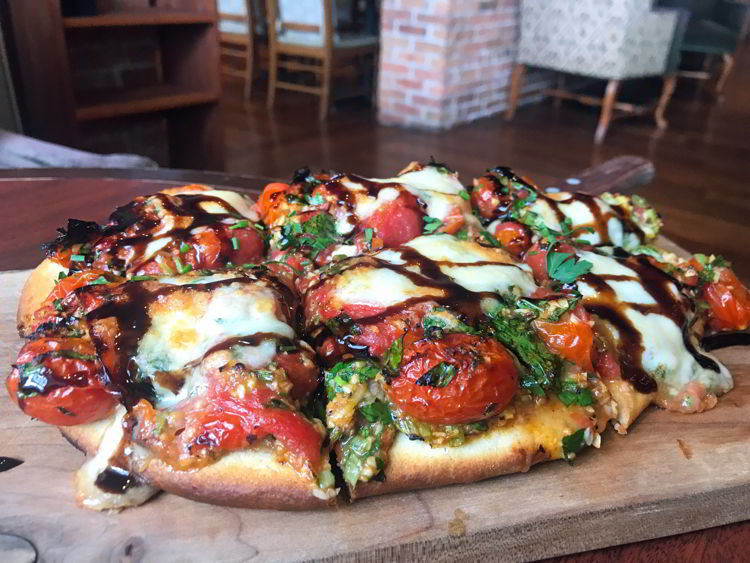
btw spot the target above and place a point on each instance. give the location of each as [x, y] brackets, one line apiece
[67, 96]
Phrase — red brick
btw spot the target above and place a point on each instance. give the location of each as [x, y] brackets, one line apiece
[412, 29]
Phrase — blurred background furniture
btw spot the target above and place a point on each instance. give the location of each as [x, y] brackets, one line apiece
[137, 76]
[20, 151]
[304, 39]
[243, 36]
[714, 29]
[614, 41]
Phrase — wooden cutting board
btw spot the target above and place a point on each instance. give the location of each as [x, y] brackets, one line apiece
[672, 473]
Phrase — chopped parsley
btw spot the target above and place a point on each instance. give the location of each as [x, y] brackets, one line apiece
[235, 243]
[342, 373]
[394, 356]
[572, 394]
[489, 237]
[573, 444]
[78, 257]
[431, 224]
[239, 225]
[101, 280]
[464, 195]
[185, 247]
[463, 234]
[317, 233]
[565, 267]
[368, 236]
[142, 278]
[376, 411]
[316, 199]
[182, 268]
[439, 376]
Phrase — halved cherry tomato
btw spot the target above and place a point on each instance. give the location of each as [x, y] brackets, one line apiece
[396, 222]
[208, 248]
[479, 379]
[73, 392]
[249, 243]
[572, 339]
[62, 289]
[484, 198]
[453, 221]
[268, 199]
[513, 237]
[729, 300]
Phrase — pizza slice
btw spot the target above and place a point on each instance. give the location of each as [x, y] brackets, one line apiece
[195, 384]
[172, 232]
[318, 218]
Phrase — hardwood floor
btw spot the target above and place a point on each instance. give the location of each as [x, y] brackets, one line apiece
[702, 160]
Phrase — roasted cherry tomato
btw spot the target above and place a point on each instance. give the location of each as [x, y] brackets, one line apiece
[607, 366]
[453, 221]
[246, 245]
[65, 389]
[572, 339]
[484, 198]
[513, 237]
[729, 300]
[269, 199]
[459, 378]
[396, 222]
[63, 288]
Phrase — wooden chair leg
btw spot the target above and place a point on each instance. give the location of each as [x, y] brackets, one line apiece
[325, 84]
[515, 90]
[249, 69]
[608, 104]
[666, 95]
[727, 63]
[272, 71]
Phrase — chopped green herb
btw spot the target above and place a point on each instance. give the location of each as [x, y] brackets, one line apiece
[489, 237]
[99, 281]
[573, 444]
[431, 224]
[464, 195]
[185, 247]
[239, 225]
[572, 394]
[368, 236]
[78, 258]
[142, 278]
[342, 373]
[316, 199]
[439, 376]
[393, 356]
[235, 243]
[376, 411]
[463, 234]
[65, 411]
[565, 267]
[182, 268]
[289, 348]
[249, 265]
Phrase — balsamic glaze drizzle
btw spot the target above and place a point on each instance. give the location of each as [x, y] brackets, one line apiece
[8, 463]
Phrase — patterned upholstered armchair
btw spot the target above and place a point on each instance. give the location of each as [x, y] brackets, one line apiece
[613, 40]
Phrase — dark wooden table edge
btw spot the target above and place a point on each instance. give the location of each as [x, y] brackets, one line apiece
[173, 175]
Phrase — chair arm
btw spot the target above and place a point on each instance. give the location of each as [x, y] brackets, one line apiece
[731, 14]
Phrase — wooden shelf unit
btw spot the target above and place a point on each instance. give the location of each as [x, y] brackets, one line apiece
[139, 17]
[185, 92]
[162, 97]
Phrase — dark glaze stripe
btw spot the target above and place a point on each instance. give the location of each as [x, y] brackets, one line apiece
[657, 284]
[725, 340]
[455, 297]
[129, 231]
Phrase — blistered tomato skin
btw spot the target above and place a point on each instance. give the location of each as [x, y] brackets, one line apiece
[729, 300]
[513, 237]
[72, 394]
[572, 339]
[483, 381]
[396, 222]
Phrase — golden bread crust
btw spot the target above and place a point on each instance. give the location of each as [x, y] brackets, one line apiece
[247, 479]
[513, 448]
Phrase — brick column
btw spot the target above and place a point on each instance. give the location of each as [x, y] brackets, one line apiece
[446, 62]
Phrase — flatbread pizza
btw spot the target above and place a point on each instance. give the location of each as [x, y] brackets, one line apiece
[348, 336]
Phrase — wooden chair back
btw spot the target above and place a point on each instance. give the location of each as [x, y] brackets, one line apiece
[303, 23]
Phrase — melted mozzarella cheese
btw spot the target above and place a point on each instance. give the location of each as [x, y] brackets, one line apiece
[428, 178]
[379, 287]
[500, 277]
[88, 494]
[665, 356]
[185, 325]
[580, 215]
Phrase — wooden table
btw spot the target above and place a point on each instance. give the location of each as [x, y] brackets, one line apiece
[38, 201]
